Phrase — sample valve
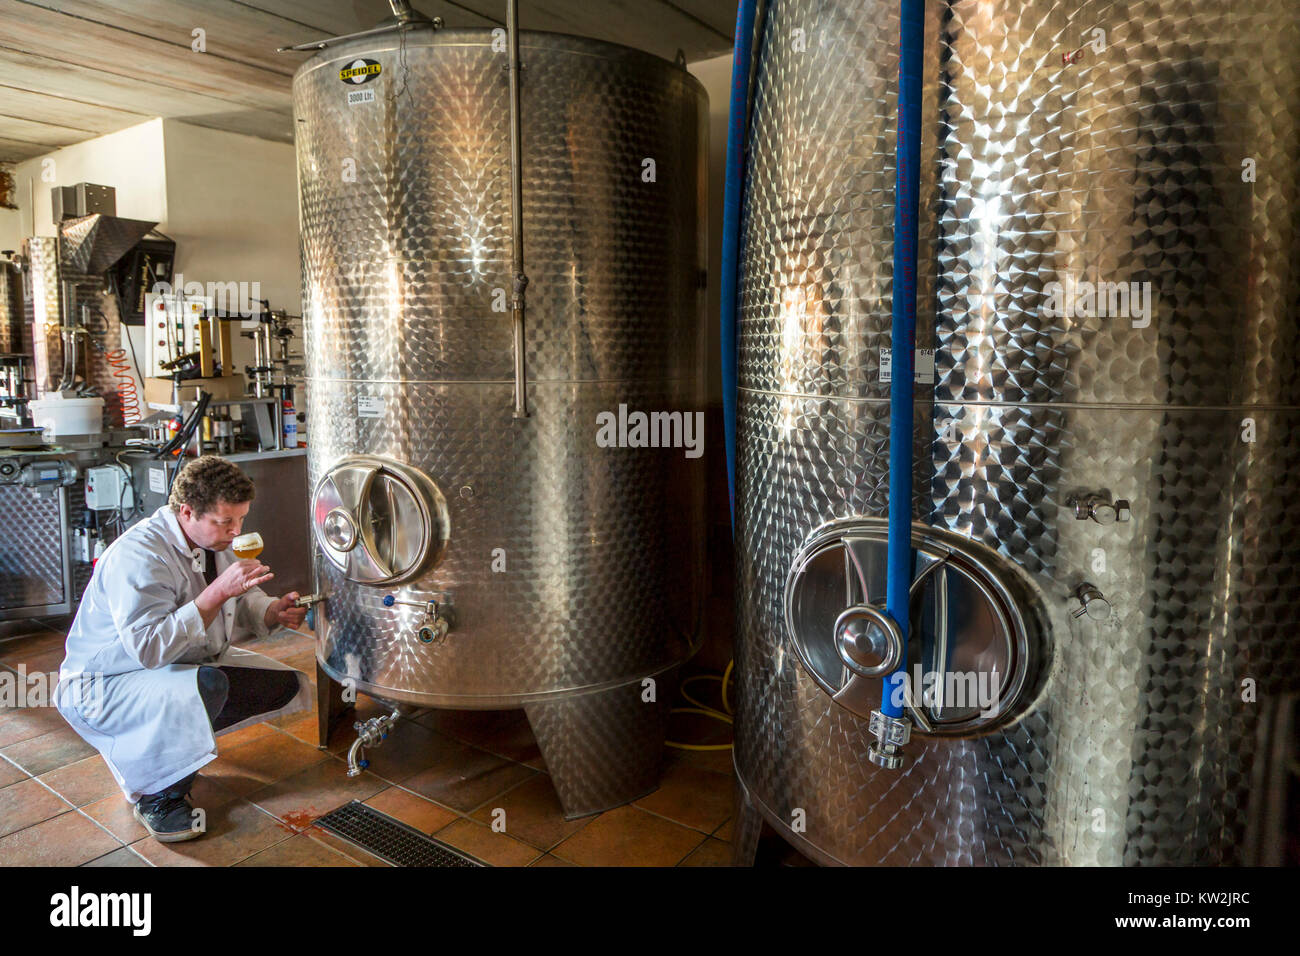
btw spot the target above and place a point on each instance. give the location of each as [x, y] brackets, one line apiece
[437, 616]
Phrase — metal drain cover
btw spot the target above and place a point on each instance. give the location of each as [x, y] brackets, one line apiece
[390, 839]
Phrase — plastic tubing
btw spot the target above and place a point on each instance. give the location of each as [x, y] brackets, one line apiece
[733, 196]
[907, 183]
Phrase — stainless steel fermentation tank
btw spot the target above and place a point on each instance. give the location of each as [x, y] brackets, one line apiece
[1151, 460]
[568, 573]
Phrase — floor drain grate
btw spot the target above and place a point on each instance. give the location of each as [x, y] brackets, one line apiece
[391, 839]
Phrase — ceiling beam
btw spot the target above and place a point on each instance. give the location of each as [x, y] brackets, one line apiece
[65, 39]
[232, 31]
[93, 118]
[49, 135]
[659, 26]
[337, 17]
[717, 15]
[88, 85]
[15, 151]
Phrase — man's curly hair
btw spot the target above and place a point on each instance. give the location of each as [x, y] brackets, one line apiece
[208, 480]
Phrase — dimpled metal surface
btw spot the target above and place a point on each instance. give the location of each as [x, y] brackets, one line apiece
[1124, 165]
[31, 555]
[585, 735]
[406, 249]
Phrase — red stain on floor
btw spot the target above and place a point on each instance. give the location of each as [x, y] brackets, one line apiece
[299, 819]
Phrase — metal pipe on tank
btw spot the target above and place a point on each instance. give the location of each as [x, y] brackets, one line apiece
[261, 359]
[519, 280]
[404, 18]
[68, 336]
[370, 733]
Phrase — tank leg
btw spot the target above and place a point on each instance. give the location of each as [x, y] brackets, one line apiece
[605, 749]
[330, 706]
[747, 829]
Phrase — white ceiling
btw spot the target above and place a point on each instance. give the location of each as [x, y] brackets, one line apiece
[71, 70]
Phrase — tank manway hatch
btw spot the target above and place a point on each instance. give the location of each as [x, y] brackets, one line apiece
[378, 521]
[972, 653]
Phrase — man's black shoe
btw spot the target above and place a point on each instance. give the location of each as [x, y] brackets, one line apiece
[169, 815]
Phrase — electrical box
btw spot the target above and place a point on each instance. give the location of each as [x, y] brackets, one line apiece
[109, 489]
[153, 480]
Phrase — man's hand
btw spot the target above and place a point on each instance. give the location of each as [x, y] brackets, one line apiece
[233, 582]
[282, 611]
[241, 577]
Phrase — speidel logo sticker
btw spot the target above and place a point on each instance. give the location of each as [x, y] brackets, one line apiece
[360, 71]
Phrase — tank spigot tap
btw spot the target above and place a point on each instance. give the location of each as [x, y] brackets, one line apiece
[370, 733]
[891, 734]
[309, 601]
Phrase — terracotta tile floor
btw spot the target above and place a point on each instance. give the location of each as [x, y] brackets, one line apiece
[442, 772]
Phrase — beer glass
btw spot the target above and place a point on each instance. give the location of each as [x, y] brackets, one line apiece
[247, 545]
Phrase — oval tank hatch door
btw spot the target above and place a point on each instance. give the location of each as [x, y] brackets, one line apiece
[378, 521]
[971, 652]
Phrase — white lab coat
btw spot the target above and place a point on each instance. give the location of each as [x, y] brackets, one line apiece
[128, 684]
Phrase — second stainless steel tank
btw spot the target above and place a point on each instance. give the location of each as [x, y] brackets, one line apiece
[1107, 481]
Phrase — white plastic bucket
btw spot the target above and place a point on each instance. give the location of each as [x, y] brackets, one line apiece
[68, 416]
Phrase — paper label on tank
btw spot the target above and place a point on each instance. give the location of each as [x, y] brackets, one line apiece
[923, 369]
[158, 481]
[370, 406]
[360, 96]
[922, 366]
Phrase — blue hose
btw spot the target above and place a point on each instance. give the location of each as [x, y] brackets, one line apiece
[907, 188]
[733, 196]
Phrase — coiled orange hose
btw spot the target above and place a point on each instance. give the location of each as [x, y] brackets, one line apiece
[126, 387]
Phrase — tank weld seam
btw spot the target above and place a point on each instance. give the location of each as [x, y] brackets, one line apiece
[1136, 406]
[504, 381]
[507, 699]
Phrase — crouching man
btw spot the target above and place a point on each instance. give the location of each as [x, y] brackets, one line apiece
[156, 621]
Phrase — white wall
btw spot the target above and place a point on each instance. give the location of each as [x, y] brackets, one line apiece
[130, 160]
[232, 207]
[13, 226]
